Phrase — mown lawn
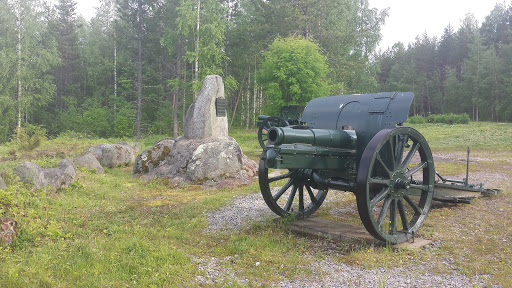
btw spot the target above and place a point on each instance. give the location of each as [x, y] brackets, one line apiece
[114, 230]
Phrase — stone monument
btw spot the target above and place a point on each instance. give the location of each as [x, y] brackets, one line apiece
[206, 117]
[205, 154]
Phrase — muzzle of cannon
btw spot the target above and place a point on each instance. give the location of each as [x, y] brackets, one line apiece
[354, 143]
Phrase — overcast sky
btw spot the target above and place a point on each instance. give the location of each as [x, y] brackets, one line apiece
[407, 18]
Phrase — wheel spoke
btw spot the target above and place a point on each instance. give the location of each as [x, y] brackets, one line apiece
[384, 165]
[414, 206]
[391, 151]
[301, 199]
[281, 192]
[419, 187]
[379, 181]
[409, 156]
[403, 215]
[400, 145]
[392, 217]
[383, 211]
[281, 177]
[311, 194]
[416, 169]
[379, 197]
[290, 199]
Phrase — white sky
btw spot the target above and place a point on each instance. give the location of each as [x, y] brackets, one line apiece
[407, 18]
[87, 8]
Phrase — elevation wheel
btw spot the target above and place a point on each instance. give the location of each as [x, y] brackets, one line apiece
[289, 192]
[395, 184]
[268, 123]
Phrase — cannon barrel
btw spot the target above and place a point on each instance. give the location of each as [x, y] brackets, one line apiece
[346, 139]
[302, 148]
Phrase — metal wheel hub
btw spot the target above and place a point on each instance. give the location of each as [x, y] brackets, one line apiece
[399, 184]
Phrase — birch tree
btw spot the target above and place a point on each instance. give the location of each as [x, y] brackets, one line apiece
[28, 53]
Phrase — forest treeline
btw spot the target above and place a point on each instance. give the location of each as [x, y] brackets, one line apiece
[136, 66]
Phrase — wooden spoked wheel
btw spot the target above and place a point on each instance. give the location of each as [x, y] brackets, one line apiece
[395, 184]
[289, 192]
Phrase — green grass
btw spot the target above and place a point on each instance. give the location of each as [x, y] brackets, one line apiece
[478, 135]
[248, 140]
[116, 230]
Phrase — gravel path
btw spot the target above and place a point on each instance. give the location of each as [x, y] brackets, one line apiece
[241, 213]
[245, 210]
[342, 275]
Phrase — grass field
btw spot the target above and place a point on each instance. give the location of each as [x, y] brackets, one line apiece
[114, 230]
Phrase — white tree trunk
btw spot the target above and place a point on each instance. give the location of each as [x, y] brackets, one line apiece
[248, 115]
[255, 92]
[139, 72]
[196, 70]
[115, 72]
[18, 72]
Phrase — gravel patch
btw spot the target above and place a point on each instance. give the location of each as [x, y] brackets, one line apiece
[215, 273]
[330, 274]
[240, 214]
[249, 209]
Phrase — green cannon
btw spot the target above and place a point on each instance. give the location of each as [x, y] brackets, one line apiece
[354, 143]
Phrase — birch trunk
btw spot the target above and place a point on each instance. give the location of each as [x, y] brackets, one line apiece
[18, 72]
[248, 115]
[255, 92]
[196, 64]
[139, 64]
[115, 72]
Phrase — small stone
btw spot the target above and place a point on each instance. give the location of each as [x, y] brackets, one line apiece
[2, 183]
[89, 161]
[31, 173]
[7, 230]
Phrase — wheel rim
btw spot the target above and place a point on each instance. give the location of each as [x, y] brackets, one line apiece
[394, 192]
[295, 197]
[269, 123]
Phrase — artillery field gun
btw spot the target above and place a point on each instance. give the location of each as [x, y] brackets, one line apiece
[354, 143]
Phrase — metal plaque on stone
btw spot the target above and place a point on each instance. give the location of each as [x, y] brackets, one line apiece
[220, 105]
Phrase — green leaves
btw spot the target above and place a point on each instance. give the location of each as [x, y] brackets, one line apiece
[293, 71]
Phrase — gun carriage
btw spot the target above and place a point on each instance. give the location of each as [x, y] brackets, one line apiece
[352, 143]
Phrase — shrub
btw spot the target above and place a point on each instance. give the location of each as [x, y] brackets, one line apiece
[449, 118]
[6, 202]
[29, 138]
[416, 120]
[97, 121]
[123, 126]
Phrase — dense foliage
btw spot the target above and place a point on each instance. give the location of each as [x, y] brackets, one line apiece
[136, 66]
